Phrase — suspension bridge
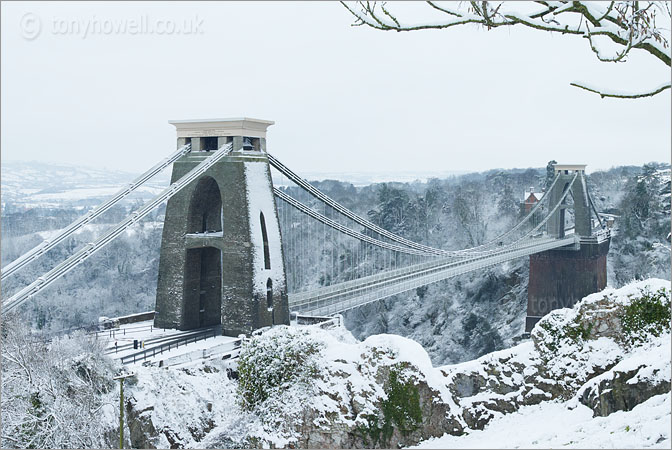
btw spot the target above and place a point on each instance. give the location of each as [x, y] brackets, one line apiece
[240, 253]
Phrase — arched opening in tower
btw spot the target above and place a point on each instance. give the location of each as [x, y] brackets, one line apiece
[269, 300]
[264, 235]
[203, 268]
[203, 287]
[269, 294]
[205, 207]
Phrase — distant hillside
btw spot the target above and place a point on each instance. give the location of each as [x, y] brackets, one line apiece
[33, 184]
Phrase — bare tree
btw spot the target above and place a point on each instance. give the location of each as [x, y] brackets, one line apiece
[622, 25]
[55, 394]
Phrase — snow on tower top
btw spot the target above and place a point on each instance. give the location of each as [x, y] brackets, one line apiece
[241, 126]
[569, 167]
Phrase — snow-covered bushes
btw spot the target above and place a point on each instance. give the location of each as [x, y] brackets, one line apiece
[343, 393]
[647, 314]
[558, 330]
[627, 319]
[400, 409]
[284, 357]
[277, 372]
[57, 394]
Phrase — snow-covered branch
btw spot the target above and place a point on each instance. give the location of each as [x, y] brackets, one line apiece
[615, 94]
[626, 25]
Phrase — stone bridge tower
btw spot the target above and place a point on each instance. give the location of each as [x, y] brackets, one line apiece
[221, 258]
[561, 277]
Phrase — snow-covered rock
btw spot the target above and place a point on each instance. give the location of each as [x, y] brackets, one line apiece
[310, 387]
[553, 425]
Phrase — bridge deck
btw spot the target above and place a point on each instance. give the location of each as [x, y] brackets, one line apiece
[351, 294]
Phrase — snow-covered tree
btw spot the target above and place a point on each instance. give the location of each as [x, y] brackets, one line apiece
[611, 29]
[57, 394]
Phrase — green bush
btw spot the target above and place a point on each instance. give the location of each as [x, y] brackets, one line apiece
[574, 332]
[275, 361]
[646, 315]
[401, 410]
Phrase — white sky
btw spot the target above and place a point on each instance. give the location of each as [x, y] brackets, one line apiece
[344, 99]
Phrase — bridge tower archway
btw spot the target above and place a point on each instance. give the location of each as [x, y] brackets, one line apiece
[205, 207]
[203, 287]
[221, 236]
[579, 195]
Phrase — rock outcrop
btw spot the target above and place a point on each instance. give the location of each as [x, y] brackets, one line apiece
[384, 392]
[622, 391]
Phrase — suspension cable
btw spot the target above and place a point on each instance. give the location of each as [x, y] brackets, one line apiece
[342, 228]
[91, 248]
[548, 216]
[47, 245]
[373, 227]
[519, 224]
[346, 212]
[590, 199]
[468, 252]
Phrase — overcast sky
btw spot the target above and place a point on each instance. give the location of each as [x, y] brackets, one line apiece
[344, 99]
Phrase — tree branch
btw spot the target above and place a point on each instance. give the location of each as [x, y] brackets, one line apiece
[625, 23]
[604, 94]
[444, 10]
[483, 17]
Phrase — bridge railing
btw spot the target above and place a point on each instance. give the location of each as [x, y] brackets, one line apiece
[329, 303]
[537, 234]
[170, 345]
[301, 298]
[118, 332]
[597, 237]
[318, 321]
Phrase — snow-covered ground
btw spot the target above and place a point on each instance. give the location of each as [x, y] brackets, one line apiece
[64, 196]
[126, 334]
[119, 343]
[513, 398]
[554, 425]
[36, 184]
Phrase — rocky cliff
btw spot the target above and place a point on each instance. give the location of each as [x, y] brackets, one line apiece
[308, 387]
